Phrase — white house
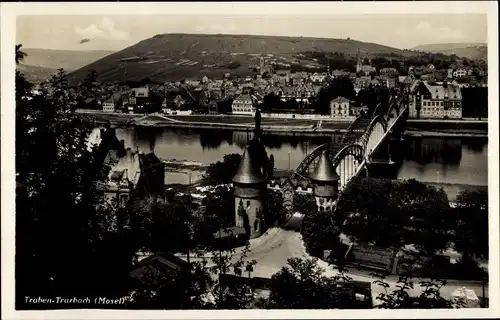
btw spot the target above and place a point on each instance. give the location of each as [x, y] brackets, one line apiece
[243, 104]
[339, 107]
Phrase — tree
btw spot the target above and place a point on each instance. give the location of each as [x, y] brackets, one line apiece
[338, 87]
[471, 216]
[319, 233]
[161, 225]
[394, 214]
[199, 286]
[219, 213]
[223, 171]
[271, 102]
[429, 298]
[20, 55]
[302, 285]
[275, 211]
[89, 83]
[60, 212]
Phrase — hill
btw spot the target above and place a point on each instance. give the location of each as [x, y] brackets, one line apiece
[35, 74]
[177, 56]
[67, 59]
[473, 51]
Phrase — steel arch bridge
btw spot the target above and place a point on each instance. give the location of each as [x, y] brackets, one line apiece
[362, 138]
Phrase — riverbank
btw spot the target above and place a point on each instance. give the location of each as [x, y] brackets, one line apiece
[441, 128]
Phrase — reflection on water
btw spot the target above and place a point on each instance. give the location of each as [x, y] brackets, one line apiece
[436, 160]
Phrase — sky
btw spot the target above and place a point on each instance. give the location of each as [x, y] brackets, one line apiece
[116, 32]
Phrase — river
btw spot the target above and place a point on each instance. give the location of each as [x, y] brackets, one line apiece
[435, 160]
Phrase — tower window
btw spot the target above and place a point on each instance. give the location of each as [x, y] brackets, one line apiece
[248, 203]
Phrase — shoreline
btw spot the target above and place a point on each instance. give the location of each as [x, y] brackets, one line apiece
[271, 125]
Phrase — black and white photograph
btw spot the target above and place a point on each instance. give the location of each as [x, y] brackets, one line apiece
[249, 157]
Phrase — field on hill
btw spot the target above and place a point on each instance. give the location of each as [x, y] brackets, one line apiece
[177, 56]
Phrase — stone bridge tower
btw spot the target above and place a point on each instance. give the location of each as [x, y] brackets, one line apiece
[326, 183]
[249, 186]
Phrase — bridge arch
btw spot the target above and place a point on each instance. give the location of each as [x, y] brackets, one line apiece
[374, 133]
[356, 129]
[308, 164]
[347, 162]
[393, 112]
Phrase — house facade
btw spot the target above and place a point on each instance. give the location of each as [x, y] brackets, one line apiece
[339, 107]
[140, 100]
[243, 104]
[113, 103]
[437, 101]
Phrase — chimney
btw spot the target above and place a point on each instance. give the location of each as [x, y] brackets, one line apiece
[445, 84]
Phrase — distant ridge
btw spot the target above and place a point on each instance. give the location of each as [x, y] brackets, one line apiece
[474, 51]
[177, 55]
[69, 60]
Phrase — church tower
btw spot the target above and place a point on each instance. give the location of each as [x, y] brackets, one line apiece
[262, 65]
[326, 183]
[249, 185]
[359, 63]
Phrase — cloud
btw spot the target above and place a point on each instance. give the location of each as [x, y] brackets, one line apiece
[426, 30]
[105, 30]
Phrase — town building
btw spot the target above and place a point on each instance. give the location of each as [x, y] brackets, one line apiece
[132, 175]
[389, 72]
[460, 72]
[362, 82]
[357, 111]
[213, 107]
[325, 183]
[113, 103]
[437, 101]
[244, 104]
[365, 69]
[318, 77]
[154, 269]
[340, 73]
[339, 107]
[140, 100]
[301, 93]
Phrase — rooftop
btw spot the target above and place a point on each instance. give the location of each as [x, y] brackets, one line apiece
[324, 171]
[248, 172]
[340, 100]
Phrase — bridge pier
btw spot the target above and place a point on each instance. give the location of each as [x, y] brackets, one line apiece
[381, 163]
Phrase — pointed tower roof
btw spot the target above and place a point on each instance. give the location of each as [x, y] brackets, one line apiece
[248, 172]
[324, 171]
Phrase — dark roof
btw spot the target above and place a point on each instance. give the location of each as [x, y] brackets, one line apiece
[116, 175]
[340, 100]
[160, 261]
[324, 171]
[248, 172]
[148, 160]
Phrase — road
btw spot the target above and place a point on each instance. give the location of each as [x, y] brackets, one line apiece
[274, 249]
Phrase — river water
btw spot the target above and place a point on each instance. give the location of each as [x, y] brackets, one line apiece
[436, 160]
